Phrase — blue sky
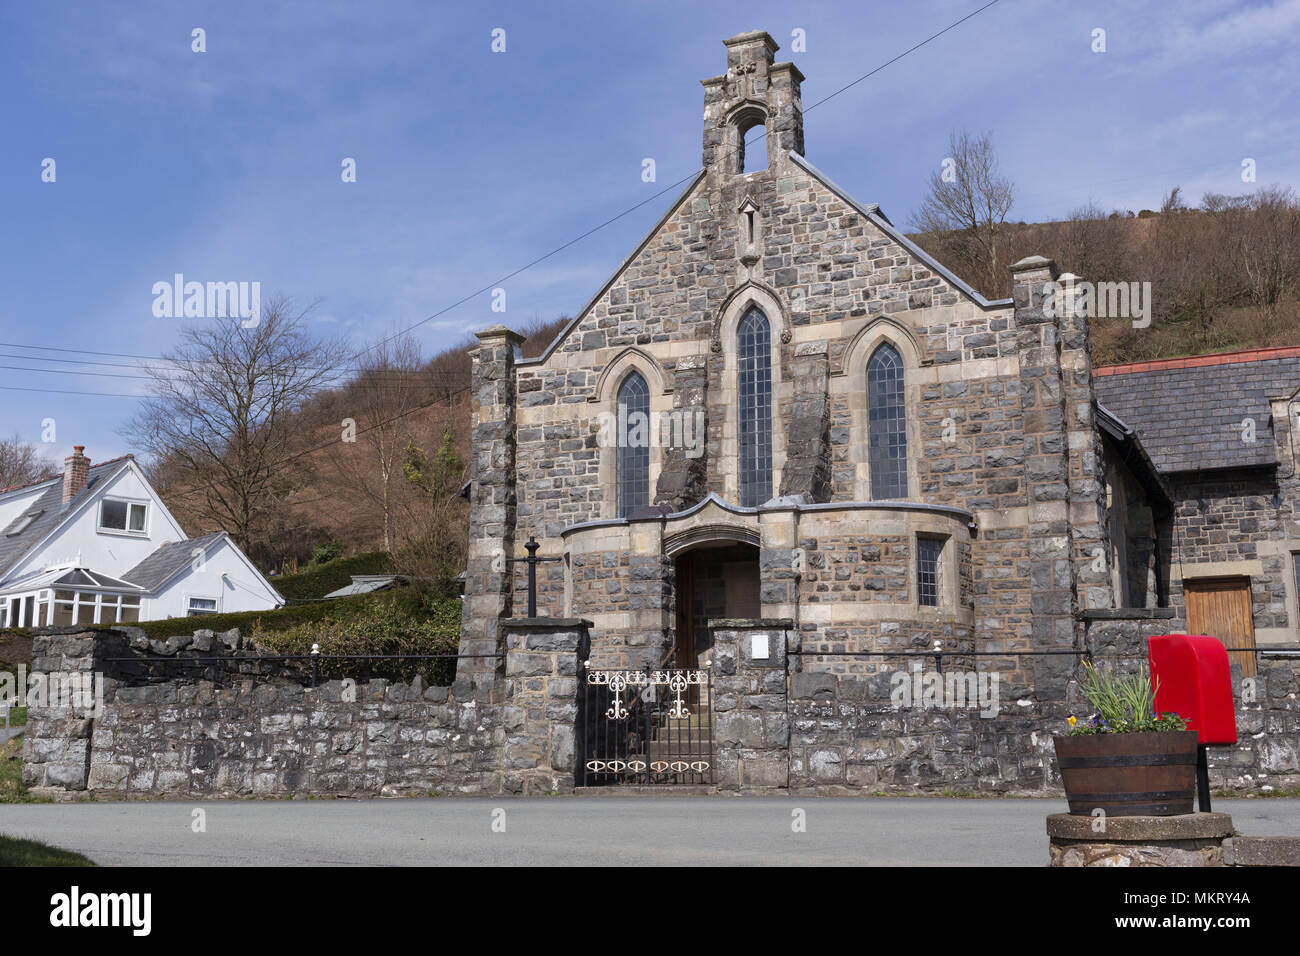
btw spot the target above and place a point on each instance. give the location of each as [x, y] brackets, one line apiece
[225, 165]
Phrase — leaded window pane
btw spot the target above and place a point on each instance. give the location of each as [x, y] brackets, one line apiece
[633, 445]
[886, 424]
[928, 551]
[754, 341]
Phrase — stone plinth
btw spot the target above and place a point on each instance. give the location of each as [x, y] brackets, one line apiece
[1188, 839]
[751, 723]
[541, 710]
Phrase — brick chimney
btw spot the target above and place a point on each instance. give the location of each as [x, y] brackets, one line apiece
[76, 472]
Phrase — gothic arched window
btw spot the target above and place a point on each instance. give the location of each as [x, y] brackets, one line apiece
[754, 341]
[633, 445]
[886, 424]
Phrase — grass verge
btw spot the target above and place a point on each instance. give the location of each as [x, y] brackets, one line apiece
[18, 852]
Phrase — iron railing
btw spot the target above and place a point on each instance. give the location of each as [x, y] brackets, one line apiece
[646, 727]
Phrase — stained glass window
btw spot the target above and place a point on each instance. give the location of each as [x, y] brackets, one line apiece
[633, 445]
[754, 341]
[886, 424]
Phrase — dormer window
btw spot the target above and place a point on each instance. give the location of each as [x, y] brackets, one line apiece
[127, 516]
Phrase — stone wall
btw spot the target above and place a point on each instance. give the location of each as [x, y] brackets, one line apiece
[751, 729]
[846, 735]
[214, 729]
[1240, 526]
[779, 722]
[543, 661]
[253, 738]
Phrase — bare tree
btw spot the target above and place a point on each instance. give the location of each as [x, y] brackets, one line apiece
[433, 542]
[1093, 244]
[391, 384]
[1269, 247]
[22, 462]
[968, 198]
[223, 412]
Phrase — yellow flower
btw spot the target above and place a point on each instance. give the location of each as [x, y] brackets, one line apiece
[1073, 720]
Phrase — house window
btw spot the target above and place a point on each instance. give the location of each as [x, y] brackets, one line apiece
[121, 515]
[929, 552]
[887, 424]
[754, 340]
[88, 607]
[198, 607]
[633, 445]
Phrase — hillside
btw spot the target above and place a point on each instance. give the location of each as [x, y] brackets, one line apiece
[1223, 276]
[430, 399]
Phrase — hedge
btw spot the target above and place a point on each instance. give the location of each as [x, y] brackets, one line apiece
[332, 575]
[398, 625]
[289, 616]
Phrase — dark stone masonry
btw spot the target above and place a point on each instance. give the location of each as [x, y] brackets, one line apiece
[252, 728]
[244, 727]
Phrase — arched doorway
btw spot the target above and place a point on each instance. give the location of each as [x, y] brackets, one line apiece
[713, 579]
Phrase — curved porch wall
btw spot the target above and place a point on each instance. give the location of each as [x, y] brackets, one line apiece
[856, 591]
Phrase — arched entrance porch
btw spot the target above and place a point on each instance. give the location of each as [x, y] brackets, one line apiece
[712, 579]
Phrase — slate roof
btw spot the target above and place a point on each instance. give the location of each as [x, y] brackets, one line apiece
[365, 584]
[1188, 412]
[67, 578]
[50, 504]
[168, 559]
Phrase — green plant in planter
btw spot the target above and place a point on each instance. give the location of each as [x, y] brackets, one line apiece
[1123, 704]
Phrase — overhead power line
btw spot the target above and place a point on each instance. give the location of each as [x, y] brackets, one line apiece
[597, 228]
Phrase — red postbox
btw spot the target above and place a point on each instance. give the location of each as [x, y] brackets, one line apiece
[1192, 679]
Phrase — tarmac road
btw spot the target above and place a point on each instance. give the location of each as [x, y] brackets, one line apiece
[581, 830]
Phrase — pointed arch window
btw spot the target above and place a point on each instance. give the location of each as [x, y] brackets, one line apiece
[754, 346]
[886, 424]
[633, 445]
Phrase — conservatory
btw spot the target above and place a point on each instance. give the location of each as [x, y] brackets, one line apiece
[69, 595]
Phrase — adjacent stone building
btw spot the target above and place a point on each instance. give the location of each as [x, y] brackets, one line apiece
[844, 434]
[1220, 430]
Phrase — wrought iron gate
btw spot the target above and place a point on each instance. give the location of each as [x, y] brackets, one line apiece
[647, 727]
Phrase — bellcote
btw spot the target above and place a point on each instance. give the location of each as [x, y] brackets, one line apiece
[756, 96]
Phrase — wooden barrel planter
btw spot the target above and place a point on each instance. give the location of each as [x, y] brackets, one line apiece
[1147, 774]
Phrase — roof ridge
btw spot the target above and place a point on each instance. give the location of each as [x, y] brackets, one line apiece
[55, 477]
[28, 484]
[1200, 361]
[112, 461]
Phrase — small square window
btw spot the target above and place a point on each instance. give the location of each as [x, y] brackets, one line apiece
[928, 554]
[198, 607]
[122, 515]
[112, 514]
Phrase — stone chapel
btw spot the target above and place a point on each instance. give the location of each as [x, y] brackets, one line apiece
[852, 439]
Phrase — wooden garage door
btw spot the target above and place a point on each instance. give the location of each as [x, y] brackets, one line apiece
[1221, 608]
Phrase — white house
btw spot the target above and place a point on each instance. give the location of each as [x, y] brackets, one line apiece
[98, 546]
